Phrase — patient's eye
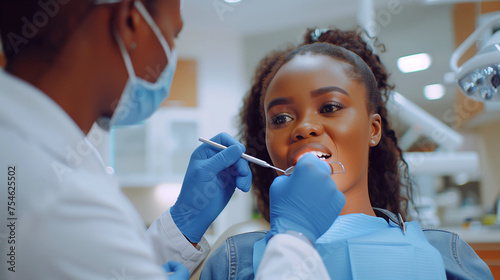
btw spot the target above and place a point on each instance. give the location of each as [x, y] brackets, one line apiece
[281, 119]
[330, 108]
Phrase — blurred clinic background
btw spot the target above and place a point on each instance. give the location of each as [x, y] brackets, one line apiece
[450, 142]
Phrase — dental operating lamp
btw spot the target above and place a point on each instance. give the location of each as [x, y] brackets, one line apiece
[479, 77]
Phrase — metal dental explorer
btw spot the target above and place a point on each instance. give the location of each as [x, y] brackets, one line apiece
[245, 156]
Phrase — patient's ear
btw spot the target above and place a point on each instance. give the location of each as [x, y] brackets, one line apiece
[376, 129]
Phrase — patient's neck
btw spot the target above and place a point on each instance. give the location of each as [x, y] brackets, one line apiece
[357, 200]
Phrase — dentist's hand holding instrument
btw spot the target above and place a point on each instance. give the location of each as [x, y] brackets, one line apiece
[209, 183]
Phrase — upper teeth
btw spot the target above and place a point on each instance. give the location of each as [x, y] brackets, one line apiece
[319, 154]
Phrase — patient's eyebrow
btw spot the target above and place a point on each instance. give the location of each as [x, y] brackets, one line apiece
[323, 90]
[279, 101]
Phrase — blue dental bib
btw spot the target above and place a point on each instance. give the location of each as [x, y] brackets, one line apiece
[358, 246]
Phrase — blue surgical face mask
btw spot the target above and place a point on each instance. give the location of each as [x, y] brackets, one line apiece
[141, 98]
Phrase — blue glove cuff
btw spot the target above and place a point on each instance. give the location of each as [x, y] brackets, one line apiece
[182, 220]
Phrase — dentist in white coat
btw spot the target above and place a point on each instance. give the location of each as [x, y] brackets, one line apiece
[70, 64]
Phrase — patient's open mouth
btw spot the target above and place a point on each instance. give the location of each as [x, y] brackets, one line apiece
[319, 150]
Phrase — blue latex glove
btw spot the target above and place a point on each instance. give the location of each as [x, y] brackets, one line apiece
[176, 271]
[306, 201]
[210, 181]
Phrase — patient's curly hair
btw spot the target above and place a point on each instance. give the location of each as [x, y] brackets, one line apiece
[388, 171]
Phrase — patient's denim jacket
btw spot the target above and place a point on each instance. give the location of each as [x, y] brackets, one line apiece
[233, 259]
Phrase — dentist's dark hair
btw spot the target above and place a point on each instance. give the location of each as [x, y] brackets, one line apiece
[39, 29]
[388, 171]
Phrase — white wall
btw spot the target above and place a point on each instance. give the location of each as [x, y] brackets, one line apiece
[220, 78]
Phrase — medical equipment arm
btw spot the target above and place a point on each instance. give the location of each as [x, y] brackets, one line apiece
[306, 202]
[211, 178]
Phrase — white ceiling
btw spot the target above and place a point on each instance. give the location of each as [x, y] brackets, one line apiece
[256, 16]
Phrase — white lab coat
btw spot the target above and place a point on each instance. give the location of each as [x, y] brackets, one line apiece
[68, 218]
